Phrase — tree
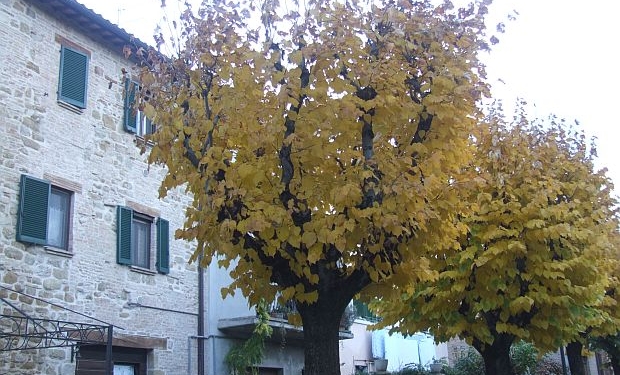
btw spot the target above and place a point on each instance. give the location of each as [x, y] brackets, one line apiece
[532, 264]
[606, 337]
[249, 354]
[611, 345]
[318, 141]
[574, 354]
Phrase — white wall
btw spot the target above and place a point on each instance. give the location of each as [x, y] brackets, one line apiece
[398, 350]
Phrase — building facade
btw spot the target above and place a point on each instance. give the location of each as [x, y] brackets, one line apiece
[84, 237]
[91, 277]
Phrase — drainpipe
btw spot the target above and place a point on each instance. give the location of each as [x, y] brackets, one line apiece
[109, 364]
[563, 360]
[211, 330]
[201, 319]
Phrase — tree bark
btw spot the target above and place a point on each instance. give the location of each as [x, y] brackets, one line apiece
[613, 352]
[497, 355]
[575, 359]
[615, 364]
[321, 324]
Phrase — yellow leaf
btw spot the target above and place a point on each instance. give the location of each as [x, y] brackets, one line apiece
[309, 238]
[315, 253]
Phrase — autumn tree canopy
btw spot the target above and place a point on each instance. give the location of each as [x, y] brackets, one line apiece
[319, 141]
[533, 264]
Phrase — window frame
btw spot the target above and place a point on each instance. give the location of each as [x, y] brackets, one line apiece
[158, 247]
[141, 220]
[66, 220]
[134, 120]
[67, 79]
[33, 217]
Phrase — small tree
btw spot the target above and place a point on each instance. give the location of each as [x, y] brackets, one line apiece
[249, 354]
[533, 264]
[319, 141]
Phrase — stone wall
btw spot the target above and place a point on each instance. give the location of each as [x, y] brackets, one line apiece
[89, 153]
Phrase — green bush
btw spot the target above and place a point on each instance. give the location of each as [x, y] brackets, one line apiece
[413, 369]
[549, 366]
[469, 363]
[524, 357]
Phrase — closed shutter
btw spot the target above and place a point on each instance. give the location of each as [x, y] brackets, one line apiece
[32, 214]
[73, 77]
[129, 115]
[364, 312]
[163, 246]
[124, 217]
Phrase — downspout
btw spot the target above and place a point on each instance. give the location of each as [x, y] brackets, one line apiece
[109, 364]
[563, 360]
[211, 335]
[201, 319]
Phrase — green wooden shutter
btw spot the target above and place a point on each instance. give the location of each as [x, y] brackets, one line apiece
[32, 214]
[163, 246]
[129, 116]
[73, 82]
[124, 217]
[364, 312]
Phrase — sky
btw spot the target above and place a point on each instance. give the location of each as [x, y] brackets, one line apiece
[558, 55]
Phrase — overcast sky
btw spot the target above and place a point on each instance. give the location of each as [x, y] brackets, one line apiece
[558, 55]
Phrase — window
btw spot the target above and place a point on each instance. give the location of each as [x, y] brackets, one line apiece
[141, 240]
[124, 369]
[134, 245]
[134, 120]
[73, 80]
[58, 218]
[44, 215]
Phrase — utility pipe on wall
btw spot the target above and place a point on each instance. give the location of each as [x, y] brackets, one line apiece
[201, 318]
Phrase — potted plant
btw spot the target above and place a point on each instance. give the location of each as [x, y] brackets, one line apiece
[437, 365]
[381, 364]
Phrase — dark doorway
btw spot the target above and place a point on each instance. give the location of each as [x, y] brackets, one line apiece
[127, 361]
[269, 371]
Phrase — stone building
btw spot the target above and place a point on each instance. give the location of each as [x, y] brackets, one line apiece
[85, 242]
[91, 277]
[86, 246]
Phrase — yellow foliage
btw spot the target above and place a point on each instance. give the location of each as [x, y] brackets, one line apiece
[541, 247]
[325, 157]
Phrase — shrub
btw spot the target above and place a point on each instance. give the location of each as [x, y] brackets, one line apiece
[413, 369]
[548, 366]
[524, 357]
[470, 363]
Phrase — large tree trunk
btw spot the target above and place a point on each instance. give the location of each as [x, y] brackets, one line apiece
[497, 355]
[615, 364]
[321, 323]
[613, 352]
[575, 359]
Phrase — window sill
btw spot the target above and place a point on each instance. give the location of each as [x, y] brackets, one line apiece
[56, 251]
[144, 271]
[142, 141]
[70, 107]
